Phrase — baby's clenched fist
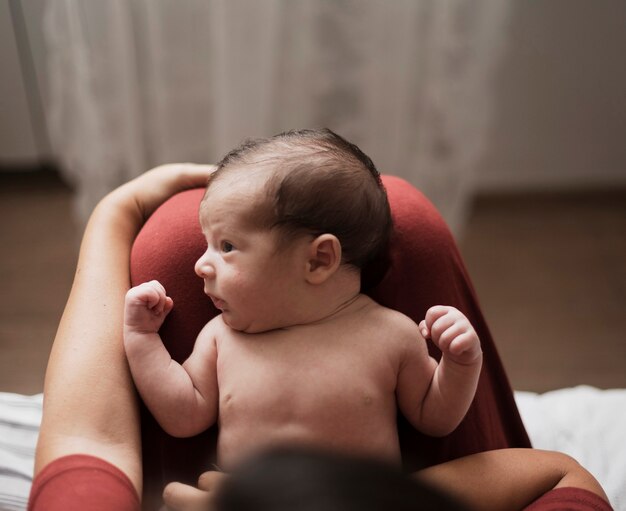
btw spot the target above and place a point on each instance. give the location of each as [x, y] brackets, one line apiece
[146, 307]
[452, 333]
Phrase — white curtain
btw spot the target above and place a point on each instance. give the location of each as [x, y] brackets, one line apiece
[135, 83]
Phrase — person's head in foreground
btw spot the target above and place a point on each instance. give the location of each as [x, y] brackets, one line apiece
[303, 480]
[300, 211]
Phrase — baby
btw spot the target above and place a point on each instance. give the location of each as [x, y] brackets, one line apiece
[298, 355]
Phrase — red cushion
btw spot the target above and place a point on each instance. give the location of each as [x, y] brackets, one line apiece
[423, 268]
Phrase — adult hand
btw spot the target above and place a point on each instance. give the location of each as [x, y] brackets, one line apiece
[149, 190]
[182, 497]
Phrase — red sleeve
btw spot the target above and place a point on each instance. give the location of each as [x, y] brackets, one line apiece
[570, 499]
[82, 483]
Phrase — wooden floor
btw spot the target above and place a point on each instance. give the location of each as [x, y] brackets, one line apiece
[550, 273]
[38, 251]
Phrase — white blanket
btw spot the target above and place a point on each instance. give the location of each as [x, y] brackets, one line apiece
[588, 424]
[20, 417]
[584, 422]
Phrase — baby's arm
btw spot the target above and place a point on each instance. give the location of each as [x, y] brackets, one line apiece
[508, 479]
[182, 398]
[435, 397]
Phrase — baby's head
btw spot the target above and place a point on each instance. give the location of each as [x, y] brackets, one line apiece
[312, 182]
[290, 221]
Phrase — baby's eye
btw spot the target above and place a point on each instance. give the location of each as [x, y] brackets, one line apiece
[227, 246]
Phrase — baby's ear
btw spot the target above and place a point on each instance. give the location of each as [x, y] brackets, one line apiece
[324, 257]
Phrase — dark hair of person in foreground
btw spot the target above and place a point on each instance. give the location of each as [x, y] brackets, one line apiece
[302, 480]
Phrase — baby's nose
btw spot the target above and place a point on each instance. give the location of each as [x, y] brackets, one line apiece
[204, 269]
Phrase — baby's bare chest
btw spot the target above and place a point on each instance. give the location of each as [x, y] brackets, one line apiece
[290, 377]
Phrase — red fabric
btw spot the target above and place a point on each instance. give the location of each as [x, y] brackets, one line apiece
[569, 499]
[423, 268]
[82, 483]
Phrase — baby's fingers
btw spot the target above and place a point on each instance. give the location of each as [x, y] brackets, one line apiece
[424, 329]
[163, 307]
[169, 304]
[449, 336]
[466, 347]
[154, 296]
[434, 313]
[441, 325]
[144, 294]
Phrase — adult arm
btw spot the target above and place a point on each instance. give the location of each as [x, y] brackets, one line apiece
[508, 479]
[500, 480]
[90, 405]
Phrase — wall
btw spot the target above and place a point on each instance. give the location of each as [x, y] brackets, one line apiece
[560, 101]
[17, 137]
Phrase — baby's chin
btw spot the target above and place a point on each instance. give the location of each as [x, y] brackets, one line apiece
[251, 326]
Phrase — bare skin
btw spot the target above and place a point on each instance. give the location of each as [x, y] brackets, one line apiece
[87, 373]
[508, 479]
[502, 480]
[297, 356]
[329, 384]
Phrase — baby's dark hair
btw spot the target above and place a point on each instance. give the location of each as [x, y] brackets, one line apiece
[319, 183]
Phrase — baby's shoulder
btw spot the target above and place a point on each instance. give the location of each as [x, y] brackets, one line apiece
[396, 331]
[214, 330]
[392, 321]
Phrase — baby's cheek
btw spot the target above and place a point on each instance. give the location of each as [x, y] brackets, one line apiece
[247, 292]
[239, 284]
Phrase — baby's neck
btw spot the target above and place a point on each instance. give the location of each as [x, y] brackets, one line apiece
[331, 299]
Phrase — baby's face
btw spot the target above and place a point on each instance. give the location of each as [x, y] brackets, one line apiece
[245, 273]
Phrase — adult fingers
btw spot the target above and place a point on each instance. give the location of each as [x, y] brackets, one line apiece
[210, 481]
[182, 497]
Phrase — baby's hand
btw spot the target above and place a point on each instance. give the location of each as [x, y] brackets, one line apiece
[146, 307]
[452, 333]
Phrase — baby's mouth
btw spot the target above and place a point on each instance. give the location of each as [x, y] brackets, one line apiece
[218, 303]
